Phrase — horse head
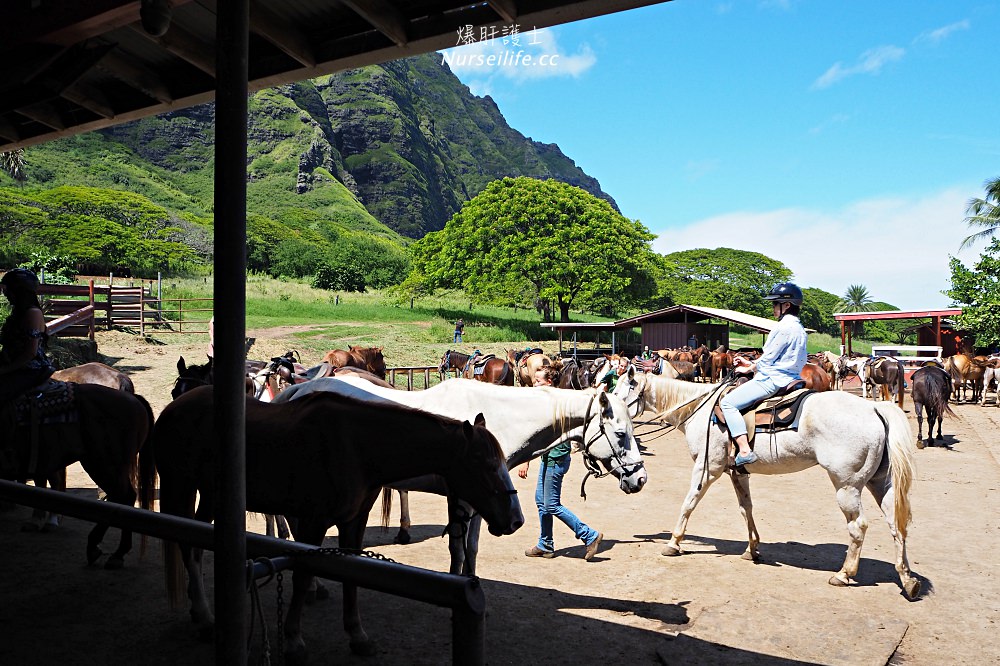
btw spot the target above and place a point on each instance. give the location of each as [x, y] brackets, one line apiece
[480, 477]
[608, 439]
[192, 376]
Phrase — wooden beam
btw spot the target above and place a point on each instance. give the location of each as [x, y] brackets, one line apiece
[43, 113]
[506, 9]
[8, 131]
[136, 76]
[184, 45]
[91, 98]
[281, 33]
[383, 17]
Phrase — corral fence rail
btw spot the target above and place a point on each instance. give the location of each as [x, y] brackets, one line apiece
[418, 376]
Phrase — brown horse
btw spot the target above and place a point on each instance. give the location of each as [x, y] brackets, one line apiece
[966, 371]
[815, 377]
[319, 459]
[96, 373]
[495, 370]
[104, 433]
[527, 362]
[721, 363]
[363, 358]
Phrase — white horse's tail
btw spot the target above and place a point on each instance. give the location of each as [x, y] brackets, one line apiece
[899, 440]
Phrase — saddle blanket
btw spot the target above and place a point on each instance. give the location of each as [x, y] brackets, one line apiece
[52, 402]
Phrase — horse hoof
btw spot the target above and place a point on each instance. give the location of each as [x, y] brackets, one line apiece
[920, 443]
[912, 589]
[671, 551]
[752, 556]
[364, 648]
[93, 554]
[837, 581]
[402, 538]
[114, 563]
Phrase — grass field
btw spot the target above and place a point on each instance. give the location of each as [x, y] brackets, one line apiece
[313, 321]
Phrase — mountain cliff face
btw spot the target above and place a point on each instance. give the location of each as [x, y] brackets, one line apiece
[402, 144]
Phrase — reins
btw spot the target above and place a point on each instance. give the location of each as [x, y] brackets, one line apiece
[589, 460]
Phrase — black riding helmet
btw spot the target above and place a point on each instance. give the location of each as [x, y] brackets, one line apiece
[20, 279]
[785, 292]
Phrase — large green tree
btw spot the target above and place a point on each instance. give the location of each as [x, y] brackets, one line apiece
[983, 214]
[977, 290]
[546, 238]
[719, 278]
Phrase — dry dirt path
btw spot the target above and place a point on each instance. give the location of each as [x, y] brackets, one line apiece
[629, 605]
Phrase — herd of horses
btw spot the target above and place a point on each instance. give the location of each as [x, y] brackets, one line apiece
[313, 456]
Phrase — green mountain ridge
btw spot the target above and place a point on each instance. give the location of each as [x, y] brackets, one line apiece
[392, 150]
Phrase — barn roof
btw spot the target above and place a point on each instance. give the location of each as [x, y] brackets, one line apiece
[72, 66]
[677, 314]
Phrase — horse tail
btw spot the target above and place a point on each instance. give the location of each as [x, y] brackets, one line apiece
[899, 442]
[173, 570]
[386, 505]
[505, 372]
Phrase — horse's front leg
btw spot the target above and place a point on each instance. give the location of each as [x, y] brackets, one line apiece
[741, 484]
[918, 408]
[472, 545]
[849, 499]
[351, 535]
[458, 535]
[695, 493]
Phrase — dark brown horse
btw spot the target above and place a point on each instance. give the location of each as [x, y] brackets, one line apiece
[931, 390]
[494, 371]
[888, 375]
[364, 358]
[110, 427]
[318, 459]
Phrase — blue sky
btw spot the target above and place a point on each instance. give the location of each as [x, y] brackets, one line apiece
[841, 137]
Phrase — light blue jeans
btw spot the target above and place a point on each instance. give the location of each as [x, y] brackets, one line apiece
[547, 498]
[743, 396]
[458, 338]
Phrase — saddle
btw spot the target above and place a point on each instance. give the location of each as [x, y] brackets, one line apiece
[771, 415]
[479, 363]
[521, 357]
[296, 375]
[50, 403]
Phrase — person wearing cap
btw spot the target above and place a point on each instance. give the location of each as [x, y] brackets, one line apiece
[23, 362]
[780, 364]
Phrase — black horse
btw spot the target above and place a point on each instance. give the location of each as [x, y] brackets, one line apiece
[931, 391]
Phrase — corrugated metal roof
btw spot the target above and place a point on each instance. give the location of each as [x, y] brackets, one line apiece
[896, 314]
[700, 312]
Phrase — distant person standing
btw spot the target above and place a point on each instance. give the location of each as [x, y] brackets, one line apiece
[693, 341]
[459, 329]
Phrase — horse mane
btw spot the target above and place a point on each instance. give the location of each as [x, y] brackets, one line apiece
[670, 393]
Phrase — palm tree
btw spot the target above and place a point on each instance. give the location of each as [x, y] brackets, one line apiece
[12, 163]
[983, 213]
[856, 299]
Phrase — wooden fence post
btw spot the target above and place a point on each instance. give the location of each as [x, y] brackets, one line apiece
[90, 301]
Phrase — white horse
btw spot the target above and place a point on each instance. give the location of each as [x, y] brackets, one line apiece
[526, 421]
[859, 365]
[859, 445]
[991, 374]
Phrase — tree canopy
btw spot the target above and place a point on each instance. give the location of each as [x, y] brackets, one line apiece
[984, 214]
[720, 278]
[977, 290]
[522, 237]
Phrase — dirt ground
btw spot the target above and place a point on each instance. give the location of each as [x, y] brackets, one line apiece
[628, 605]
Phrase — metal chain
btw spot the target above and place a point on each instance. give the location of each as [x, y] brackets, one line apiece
[278, 604]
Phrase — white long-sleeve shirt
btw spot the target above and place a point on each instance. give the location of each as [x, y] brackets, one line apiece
[785, 352]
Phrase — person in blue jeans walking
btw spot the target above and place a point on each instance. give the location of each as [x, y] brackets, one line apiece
[781, 364]
[459, 330]
[554, 466]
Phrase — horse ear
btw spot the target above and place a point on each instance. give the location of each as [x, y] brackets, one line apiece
[605, 401]
[181, 365]
[480, 420]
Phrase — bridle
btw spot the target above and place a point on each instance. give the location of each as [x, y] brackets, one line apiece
[195, 380]
[626, 469]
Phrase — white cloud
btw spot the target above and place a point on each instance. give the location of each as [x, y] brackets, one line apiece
[870, 62]
[530, 55]
[898, 248]
[940, 34]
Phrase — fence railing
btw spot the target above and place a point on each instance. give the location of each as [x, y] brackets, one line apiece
[417, 377]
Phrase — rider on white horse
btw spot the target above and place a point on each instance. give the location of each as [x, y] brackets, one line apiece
[781, 363]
